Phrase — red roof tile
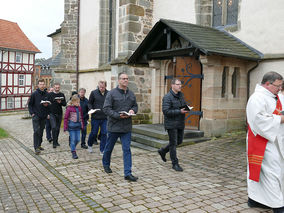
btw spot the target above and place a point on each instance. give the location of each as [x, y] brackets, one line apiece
[12, 37]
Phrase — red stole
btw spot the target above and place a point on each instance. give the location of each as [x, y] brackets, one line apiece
[256, 148]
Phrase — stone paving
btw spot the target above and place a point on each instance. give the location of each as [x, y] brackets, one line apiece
[214, 177]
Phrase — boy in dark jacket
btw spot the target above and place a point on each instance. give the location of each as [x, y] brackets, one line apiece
[99, 118]
[84, 106]
[39, 110]
[57, 100]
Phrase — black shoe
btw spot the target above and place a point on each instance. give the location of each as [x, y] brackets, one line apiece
[37, 151]
[254, 204]
[163, 155]
[131, 178]
[278, 210]
[107, 169]
[177, 168]
[74, 155]
[41, 149]
[54, 146]
[57, 144]
[84, 146]
[50, 140]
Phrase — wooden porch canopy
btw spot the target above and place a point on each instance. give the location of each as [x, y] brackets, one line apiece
[158, 44]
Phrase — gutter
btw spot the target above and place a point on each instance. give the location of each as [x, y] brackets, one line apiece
[77, 54]
[248, 77]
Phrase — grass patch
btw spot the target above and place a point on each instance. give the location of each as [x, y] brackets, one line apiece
[3, 134]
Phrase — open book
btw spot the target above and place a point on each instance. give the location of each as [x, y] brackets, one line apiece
[59, 98]
[45, 102]
[186, 107]
[93, 111]
[126, 113]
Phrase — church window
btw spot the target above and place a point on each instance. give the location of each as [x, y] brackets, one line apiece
[224, 82]
[225, 12]
[235, 82]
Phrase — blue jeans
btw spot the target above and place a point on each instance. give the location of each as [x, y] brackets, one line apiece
[96, 124]
[74, 139]
[125, 139]
[48, 129]
[84, 133]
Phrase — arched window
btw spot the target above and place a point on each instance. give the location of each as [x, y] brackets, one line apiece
[225, 12]
[235, 82]
[224, 82]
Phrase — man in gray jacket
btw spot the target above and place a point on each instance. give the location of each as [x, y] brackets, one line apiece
[174, 115]
[119, 100]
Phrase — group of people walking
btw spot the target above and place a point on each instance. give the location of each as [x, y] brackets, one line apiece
[111, 118]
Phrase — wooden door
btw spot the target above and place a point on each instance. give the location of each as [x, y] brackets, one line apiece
[188, 70]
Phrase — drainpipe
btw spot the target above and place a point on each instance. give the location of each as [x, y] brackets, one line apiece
[77, 53]
[110, 31]
[248, 77]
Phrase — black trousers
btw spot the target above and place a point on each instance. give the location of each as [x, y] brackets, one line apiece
[175, 139]
[55, 123]
[38, 127]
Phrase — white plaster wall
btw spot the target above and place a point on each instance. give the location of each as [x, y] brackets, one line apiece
[179, 10]
[264, 67]
[25, 58]
[262, 25]
[12, 57]
[89, 34]
[90, 80]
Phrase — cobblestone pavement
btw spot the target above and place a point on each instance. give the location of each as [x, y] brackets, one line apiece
[214, 177]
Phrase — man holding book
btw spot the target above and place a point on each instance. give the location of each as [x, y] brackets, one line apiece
[98, 117]
[39, 110]
[57, 100]
[174, 108]
[118, 100]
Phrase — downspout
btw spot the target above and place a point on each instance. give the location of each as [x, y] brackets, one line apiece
[110, 31]
[248, 77]
[77, 53]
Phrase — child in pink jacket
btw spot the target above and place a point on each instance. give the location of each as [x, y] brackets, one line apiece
[73, 123]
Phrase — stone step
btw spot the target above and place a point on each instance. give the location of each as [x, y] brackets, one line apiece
[157, 131]
[158, 143]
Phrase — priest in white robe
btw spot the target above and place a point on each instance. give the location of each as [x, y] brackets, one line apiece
[265, 145]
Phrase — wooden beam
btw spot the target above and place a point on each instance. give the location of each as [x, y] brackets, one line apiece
[188, 51]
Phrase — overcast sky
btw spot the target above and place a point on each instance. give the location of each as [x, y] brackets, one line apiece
[36, 18]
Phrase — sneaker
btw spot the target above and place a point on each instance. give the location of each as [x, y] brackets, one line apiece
[177, 168]
[101, 153]
[74, 155]
[41, 149]
[84, 146]
[90, 149]
[131, 178]
[37, 151]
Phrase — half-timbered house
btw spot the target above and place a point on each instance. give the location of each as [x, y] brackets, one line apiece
[17, 56]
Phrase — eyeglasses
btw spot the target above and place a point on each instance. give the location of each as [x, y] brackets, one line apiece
[178, 84]
[124, 79]
[278, 86]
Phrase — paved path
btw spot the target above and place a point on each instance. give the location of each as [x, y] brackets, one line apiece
[214, 177]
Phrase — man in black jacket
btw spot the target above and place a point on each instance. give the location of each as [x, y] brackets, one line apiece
[99, 118]
[57, 100]
[84, 106]
[120, 105]
[174, 116]
[39, 110]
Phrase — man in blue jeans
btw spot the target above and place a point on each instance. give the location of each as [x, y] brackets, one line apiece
[119, 100]
[99, 118]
